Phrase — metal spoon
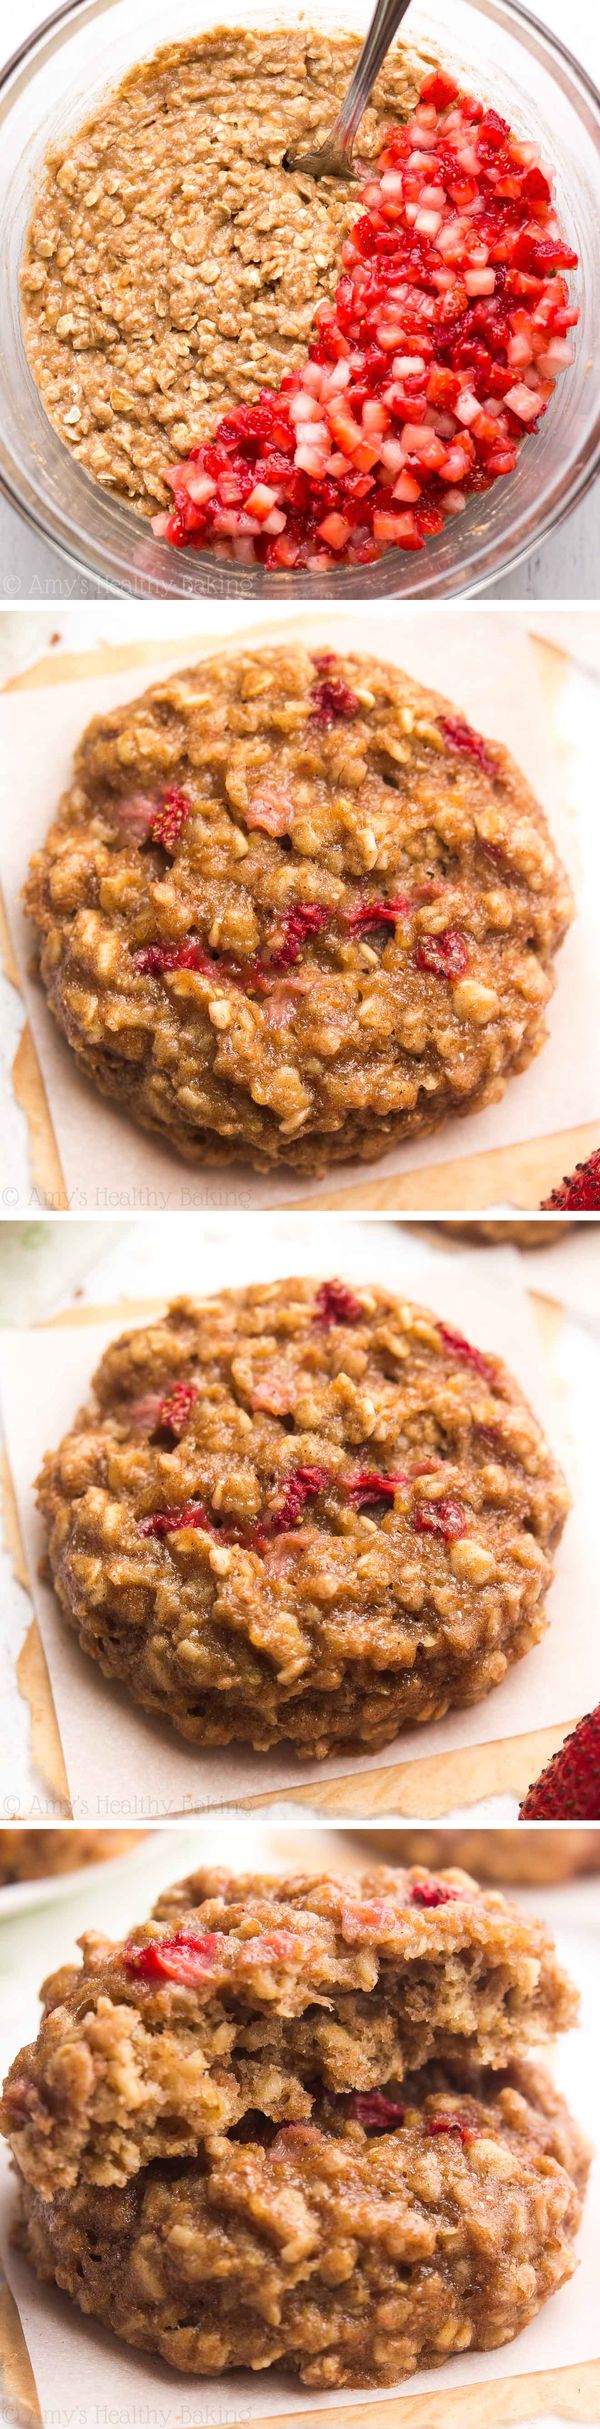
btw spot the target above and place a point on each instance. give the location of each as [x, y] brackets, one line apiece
[334, 157]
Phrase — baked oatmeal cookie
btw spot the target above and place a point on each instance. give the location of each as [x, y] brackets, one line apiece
[302, 1512]
[380, 2238]
[31, 1855]
[521, 1855]
[245, 1995]
[173, 267]
[293, 909]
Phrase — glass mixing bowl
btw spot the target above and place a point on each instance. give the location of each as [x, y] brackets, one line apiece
[500, 51]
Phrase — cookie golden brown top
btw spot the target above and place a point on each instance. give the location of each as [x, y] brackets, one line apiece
[250, 1993]
[294, 908]
[300, 1511]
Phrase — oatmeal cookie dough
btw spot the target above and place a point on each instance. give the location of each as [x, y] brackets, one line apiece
[302, 1512]
[173, 267]
[520, 1855]
[525, 1234]
[341, 2251]
[245, 1995]
[31, 1855]
[294, 909]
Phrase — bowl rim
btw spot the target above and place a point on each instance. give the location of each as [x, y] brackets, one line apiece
[556, 513]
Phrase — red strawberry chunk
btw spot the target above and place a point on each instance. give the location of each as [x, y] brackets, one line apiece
[154, 960]
[133, 817]
[175, 1409]
[274, 1391]
[445, 956]
[459, 2126]
[460, 1348]
[334, 1304]
[302, 920]
[370, 1485]
[188, 1957]
[368, 1919]
[373, 2110]
[568, 1790]
[446, 1518]
[144, 1414]
[171, 1522]
[169, 819]
[462, 737]
[301, 1485]
[333, 701]
[271, 808]
[407, 403]
[432, 1893]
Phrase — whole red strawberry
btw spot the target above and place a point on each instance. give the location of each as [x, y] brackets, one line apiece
[569, 1788]
[580, 1190]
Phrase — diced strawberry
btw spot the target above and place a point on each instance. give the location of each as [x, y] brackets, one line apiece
[272, 808]
[187, 1957]
[334, 1304]
[421, 340]
[375, 2111]
[446, 1518]
[444, 956]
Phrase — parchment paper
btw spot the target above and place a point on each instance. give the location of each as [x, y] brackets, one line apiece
[86, 2380]
[124, 1766]
[484, 661]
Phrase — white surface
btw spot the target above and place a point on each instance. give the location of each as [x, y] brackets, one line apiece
[122, 1764]
[566, 567]
[73, 2359]
[483, 659]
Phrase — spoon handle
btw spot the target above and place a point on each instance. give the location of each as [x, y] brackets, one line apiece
[384, 24]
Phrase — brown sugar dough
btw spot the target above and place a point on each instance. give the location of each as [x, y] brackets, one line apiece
[349, 936]
[173, 267]
[342, 1525]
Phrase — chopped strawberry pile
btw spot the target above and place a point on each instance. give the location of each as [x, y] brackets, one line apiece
[446, 1518]
[174, 1411]
[432, 1893]
[334, 1304]
[445, 956]
[580, 1190]
[375, 2111]
[569, 1788]
[460, 1348]
[437, 355]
